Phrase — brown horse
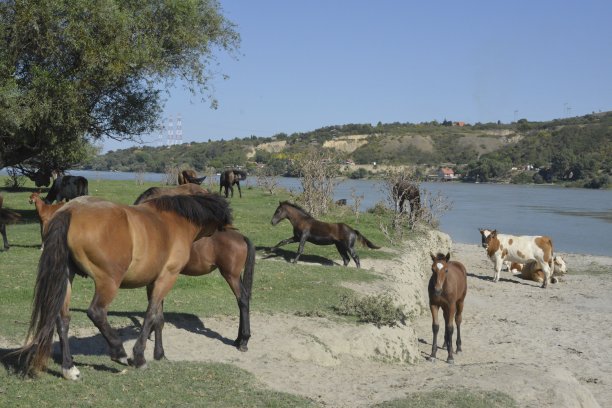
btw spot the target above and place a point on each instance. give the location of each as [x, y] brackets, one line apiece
[230, 177]
[189, 176]
[306, 228]
[230, 252]
[45, 211]
[406, 190]
[183, 189]
[118, 246]
[447, 289]
[6, 217]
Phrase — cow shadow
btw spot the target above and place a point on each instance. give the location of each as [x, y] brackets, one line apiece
[490, 279]
[271, 253]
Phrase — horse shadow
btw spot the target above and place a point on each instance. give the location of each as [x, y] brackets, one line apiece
[271, 253]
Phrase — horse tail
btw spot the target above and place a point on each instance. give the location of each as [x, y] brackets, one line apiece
[8, 216]
[49, 294]
[247, 274]
[366, 241]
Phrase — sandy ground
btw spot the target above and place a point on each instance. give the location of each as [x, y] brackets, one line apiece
[545, 348]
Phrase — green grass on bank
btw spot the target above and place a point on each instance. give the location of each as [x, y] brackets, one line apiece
[279, 287]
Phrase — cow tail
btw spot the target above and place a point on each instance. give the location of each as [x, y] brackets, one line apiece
[365, 241]
[49, 294]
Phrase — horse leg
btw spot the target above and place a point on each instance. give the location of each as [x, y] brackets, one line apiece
[448, 333]
[239, 191]
[300, 247]
[435, 326]
[97, 313]
[69, 370]
[158, 350]
[285, 242]
[153, 317]
[343, 253]
[4, 238]
[232, 277]
[351, 249]
[458, 318]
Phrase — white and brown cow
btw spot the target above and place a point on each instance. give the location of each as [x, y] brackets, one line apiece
[531, 270]
[520, 249]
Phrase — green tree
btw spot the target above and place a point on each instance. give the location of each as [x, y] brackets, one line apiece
[75, 71]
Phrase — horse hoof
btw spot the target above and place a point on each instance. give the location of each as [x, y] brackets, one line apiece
[450, 361]
[71, 373]
[431, 359]
[121, 360]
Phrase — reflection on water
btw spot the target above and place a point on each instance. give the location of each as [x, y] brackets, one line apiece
[601, 215]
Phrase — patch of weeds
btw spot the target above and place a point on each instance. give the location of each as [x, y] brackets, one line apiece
[376, 309]
[310, 313]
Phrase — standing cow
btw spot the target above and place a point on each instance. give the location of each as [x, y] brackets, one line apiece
[67, 188]
[502, 247]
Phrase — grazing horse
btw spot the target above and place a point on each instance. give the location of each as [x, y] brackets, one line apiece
[45, 211]
[306, 228]
[67, 187]
[447, 289]
[230, 177]
[406, 190]
[189, 176]
[6, 217]
[229, 251]
[183, 189]
[118, 246]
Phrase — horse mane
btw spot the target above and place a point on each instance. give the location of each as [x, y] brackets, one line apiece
[198, 209]
[148, 193]
[297, 207]
[440, 256]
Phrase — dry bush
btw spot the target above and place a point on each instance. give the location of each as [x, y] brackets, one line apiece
[171, 175]
[267, 179]
[15, 179]
[318, 172]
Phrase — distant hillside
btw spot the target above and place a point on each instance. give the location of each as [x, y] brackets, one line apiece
[471, 148]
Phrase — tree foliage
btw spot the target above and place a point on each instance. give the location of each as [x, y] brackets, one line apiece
[74, 71]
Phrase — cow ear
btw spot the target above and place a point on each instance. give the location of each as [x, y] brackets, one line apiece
[494, 233]
[447, 257]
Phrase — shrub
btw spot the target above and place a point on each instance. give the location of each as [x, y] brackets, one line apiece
[376, 309]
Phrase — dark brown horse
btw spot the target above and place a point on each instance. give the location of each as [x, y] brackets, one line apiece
[230, 177]
[406, 190]
[306, 228]
[6, 217]
[447, 289]
[229, 251]
[118, 246]
[189, 176]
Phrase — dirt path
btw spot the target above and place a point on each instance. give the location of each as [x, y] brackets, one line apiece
[545, 348]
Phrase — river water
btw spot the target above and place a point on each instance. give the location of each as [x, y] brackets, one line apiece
[578, 220]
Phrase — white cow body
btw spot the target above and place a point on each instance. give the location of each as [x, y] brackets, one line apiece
[519, 249]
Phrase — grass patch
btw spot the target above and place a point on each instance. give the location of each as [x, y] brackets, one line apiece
[163, 384]
[452, 398]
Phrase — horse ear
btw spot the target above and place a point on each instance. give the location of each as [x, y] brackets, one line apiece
[433, 257]
[447, 256]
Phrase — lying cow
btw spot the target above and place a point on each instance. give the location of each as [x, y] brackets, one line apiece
[520, 249]
[530, 270]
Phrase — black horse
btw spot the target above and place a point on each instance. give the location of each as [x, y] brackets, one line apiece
[67, 187]
[6, 217]
[406, 190]
[306, 228]
[229, 178]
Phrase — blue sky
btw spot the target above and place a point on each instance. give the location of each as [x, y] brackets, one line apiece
[303, 65]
